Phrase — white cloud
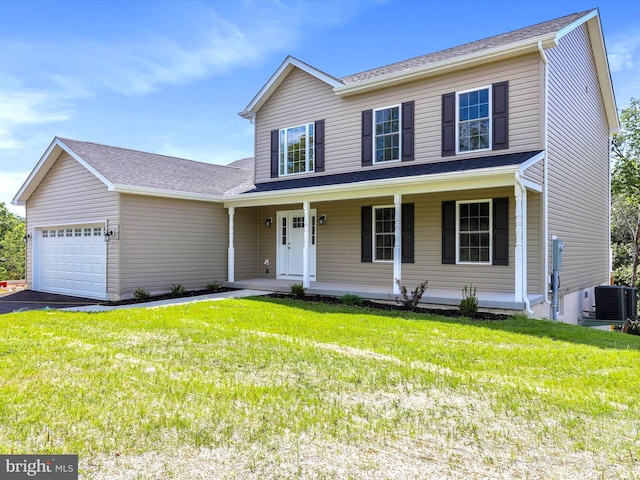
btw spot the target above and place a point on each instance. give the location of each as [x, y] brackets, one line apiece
[25, 107]
[624, 53]
[10, 183]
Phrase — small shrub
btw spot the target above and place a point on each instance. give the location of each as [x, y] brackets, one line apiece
[410, 299]
[469, 303]
[177, 289]
[213, 286]
[141, 294]
[298, 290]
[351, 299]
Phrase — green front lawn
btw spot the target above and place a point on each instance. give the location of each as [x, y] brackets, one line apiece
[261, 388]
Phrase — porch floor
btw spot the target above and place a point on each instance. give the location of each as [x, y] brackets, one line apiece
[433, 296]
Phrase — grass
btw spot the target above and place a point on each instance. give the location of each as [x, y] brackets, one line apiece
[261, 388]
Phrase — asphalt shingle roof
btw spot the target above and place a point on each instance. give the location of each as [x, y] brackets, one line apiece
[401, 171]
[133, 168]
[503, 39]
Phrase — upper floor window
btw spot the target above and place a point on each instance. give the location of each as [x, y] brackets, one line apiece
[297, 149]
[387, 134]
[474, 122]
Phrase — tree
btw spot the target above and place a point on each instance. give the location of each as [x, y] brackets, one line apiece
[12, 247]
[625, 190]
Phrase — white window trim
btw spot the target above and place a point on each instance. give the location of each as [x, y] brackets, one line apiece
[373, 232]
[485, 200]
[282, 166]
[490, 89]
[373, 135]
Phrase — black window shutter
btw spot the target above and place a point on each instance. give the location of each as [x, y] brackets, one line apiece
[367, 139]
[501, 231]
[407, 131]
[448, 232]
[275, 148]
[448, 124]
[319, 146]
[366, 239]
[500, 115]
[407, 233]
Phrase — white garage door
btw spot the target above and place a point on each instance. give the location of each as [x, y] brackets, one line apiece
[71, 260]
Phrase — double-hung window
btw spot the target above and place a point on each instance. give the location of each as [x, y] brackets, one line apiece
[474, 120]
[387, 134]
[384, 233]
[296, 149]
[474, 231]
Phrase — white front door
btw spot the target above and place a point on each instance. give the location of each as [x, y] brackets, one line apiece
[291, 244]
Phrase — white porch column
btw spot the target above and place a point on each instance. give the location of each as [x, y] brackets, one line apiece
[397, 246]
[305, 250]
[519, 253]
[231, 251]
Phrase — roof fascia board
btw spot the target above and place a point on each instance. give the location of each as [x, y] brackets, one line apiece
[276, 79]
[531, 162]
[43, 166]
[158, 192]
[529, 185]
[82, 162]
[575, 24]
[454, 181]
[599, 48]
[40, 170]
[512, 49]
[596, 35]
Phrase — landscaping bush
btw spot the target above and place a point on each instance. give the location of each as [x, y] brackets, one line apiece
[213, 286]
[469, 303]
[410, 299]
[298, 290]
[141, 294]
[351, 299]
[177, 289]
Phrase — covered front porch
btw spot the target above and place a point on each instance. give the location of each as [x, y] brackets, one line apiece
[437, 297]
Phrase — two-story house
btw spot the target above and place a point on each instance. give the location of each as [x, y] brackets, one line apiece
[456, 167]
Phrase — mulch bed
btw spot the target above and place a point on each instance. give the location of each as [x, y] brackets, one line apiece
[453, 313]
[166, 296]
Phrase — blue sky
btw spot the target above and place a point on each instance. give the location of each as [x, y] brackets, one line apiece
[170, 77]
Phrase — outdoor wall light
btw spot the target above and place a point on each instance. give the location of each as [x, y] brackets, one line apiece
[26, 238]
[322, 219]
[268, 222]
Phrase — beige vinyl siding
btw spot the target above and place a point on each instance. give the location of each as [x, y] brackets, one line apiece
[535, 173]
[70, 194]
[535, 262]
[245, 243]
[267, 238]
[338, 245]
[302, 98]
[578, 156]
[166, 241]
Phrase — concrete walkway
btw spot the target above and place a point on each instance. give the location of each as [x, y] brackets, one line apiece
[171, 301]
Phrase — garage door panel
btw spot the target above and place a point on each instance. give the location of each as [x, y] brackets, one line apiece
[72, 260]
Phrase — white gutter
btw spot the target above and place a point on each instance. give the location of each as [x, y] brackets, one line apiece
[158, 192]
[524, 254]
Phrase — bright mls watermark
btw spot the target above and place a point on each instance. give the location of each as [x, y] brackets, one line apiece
[39, 467]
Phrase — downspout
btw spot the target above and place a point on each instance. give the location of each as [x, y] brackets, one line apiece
[545, 182]
[522, 235]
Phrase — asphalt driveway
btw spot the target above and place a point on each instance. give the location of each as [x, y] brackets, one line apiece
[30, 300]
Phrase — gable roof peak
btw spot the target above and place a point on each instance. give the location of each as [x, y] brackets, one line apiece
[530, 34]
